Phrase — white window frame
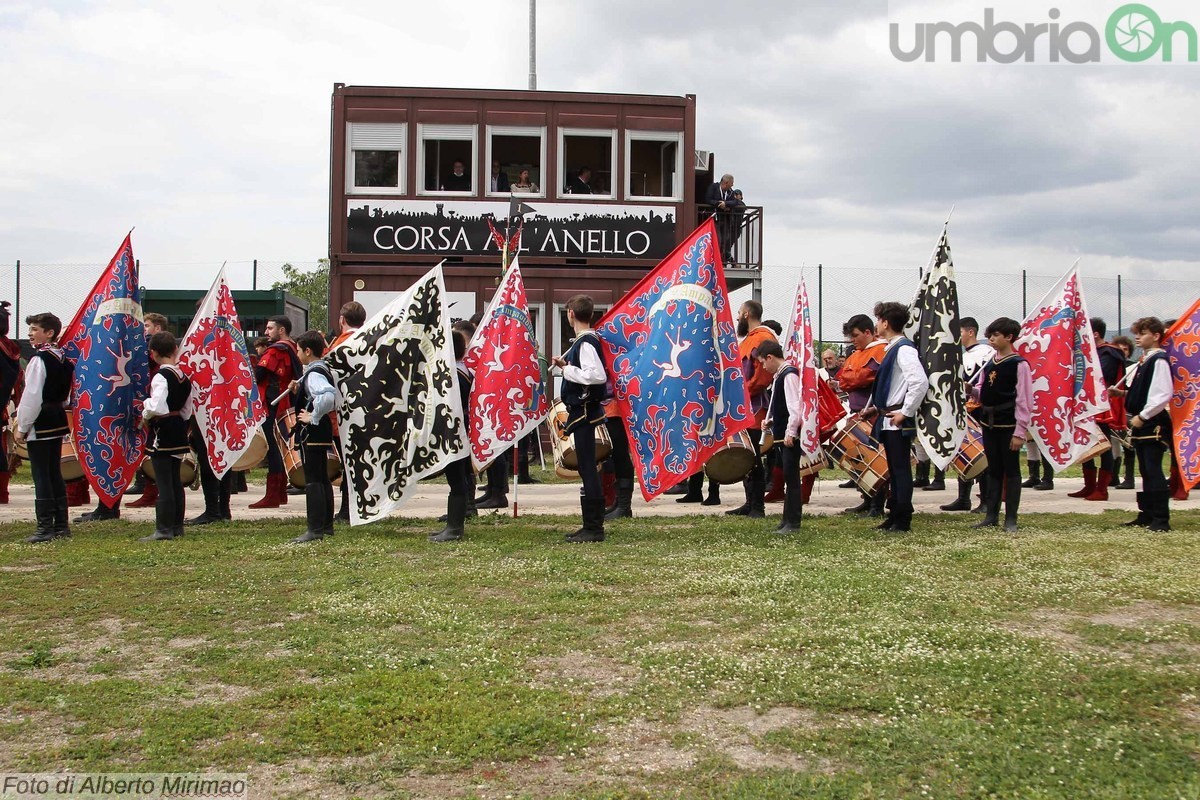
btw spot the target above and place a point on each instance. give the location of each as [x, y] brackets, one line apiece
[379, 130]
[563, 133]
[654, 136]
[460, 133]
[511, 130]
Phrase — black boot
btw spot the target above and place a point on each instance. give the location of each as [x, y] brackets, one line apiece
[793, 509]
[1035, 473]
[62, 513]
[1143, 516]
[1114, 480]
[861, 508]
[314, 507]
[758, 487]
[239, 483]
[963, 503]
[878, 501]
[593, 521]
[456, 514]
[695, 490]
[714, 494]
[983, 493]
[43, 511]
[523, 460]
[624, 506]
[1158, 505]
[1129, 465]
[938, 483]
[100, 513]
[921, 475]
[1047, 483]
[991, 502]
[1012, 503]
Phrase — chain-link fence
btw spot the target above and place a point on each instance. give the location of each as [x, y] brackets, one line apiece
[838, 293]
[62, 288]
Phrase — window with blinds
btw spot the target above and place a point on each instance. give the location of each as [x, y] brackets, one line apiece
[376, 157]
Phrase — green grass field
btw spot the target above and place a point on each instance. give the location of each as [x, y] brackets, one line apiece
[684, 657]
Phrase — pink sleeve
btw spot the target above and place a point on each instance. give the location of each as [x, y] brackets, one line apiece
[1024, 409]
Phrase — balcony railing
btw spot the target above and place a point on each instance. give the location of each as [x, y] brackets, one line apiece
[740, 234]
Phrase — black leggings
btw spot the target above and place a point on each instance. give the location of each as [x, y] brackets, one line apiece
[318, 489]
[621, 458]
[274, 457]
[897, 446]
[1150, 454]
[45, 465]
[584, 439]
[168, 509]
[1003, 462]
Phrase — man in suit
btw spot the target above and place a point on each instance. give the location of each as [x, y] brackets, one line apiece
[581, 183]
[720, 197]
[498, 182]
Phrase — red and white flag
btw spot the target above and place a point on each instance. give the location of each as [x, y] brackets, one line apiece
[508, 398]
[214, 355]
[800, 353]
[1068, 386]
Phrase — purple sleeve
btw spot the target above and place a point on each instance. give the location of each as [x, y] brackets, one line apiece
[973, 388]
[1024, 409]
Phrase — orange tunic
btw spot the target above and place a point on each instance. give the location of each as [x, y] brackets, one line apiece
[758, 380]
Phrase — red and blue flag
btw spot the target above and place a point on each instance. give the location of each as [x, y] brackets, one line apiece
[107, 342]
[671, 348]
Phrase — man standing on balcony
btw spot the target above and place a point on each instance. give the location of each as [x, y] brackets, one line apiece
[720, 197]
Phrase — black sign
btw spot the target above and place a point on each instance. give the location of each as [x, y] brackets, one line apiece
[561, 230]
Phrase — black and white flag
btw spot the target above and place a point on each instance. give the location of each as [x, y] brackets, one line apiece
[934, 329]
[401, 417]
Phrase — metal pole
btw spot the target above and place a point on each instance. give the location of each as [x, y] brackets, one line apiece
[820, 304]
[16, 326]
[1118, 304]
[532, 45]
[254, 276]
[1024, 294]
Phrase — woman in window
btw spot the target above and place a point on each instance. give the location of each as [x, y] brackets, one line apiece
[523, 184]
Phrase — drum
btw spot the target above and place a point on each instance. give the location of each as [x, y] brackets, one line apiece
[1099, 449]
[293, 462]
[187, 469]
[970, 462]
[254, 454]
[811, 465]
[859, 454]
[564, 446]
[68, 463]
[733, 461]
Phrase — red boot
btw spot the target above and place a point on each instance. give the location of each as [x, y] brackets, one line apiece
[1178, 491]
[149, 496]
[1089, 482]
[276, 495]
[4, 476]
[608, 483]
[77, 493]
[1100, 492]
[776, 493]
[806, 487]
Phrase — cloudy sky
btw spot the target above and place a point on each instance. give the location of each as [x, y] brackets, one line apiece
[206, 126]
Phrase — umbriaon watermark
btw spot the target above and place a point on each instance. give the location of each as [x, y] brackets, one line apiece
[1133, 32]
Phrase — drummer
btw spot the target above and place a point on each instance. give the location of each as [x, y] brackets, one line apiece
[582, 391]
[1004, 389]
[975, 355]
[895, 398]
[166, 414]
[315, 396]
[857, 378]
[783, 420]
